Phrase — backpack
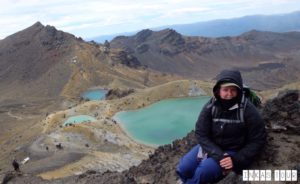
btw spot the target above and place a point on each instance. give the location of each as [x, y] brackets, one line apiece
[252, 96]
[248, 95]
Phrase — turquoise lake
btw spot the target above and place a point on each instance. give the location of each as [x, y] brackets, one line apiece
[94, 94]
[162, 122]
[79, 119]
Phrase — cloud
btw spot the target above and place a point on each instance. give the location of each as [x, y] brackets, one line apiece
[90, 17]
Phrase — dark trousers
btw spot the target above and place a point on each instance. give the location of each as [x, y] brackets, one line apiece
[192, 171]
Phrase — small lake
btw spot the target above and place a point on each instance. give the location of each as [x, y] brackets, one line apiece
[162, 122]
[94, 94]
[79, 119]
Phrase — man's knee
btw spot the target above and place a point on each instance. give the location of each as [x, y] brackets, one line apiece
[188, 163]
[210, 171]
[184, 169]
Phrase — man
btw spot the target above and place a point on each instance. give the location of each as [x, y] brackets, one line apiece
[230, 132]
[16, 165]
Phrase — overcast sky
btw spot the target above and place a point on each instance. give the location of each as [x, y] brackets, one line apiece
[89, 18]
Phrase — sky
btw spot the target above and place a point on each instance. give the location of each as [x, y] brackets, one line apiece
[90, 18]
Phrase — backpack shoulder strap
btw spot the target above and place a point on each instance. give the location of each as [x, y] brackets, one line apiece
[213, 107]
[242, 107]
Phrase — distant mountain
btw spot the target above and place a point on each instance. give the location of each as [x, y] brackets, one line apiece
[228, 27]
[236, 26]
[103, 38]
[267, 59]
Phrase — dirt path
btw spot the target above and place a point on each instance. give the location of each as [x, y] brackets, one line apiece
[14, 116]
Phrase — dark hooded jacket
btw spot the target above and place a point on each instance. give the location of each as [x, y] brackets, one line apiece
[225, 132]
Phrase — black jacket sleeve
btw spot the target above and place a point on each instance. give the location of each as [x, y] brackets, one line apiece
[255, 138]
[203, 134]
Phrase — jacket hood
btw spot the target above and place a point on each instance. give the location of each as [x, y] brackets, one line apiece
[228, 76]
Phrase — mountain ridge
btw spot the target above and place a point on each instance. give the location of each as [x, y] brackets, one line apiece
[42, 61]
[228, 27]
[202, 57]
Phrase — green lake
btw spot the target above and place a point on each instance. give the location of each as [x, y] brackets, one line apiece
[94, 94]
[162, 122]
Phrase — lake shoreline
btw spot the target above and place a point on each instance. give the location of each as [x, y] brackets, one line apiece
[181, 122]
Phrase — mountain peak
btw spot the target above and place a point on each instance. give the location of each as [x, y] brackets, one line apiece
[37, 24]
[39, 30]
[36, 27]
[51, 30]
[260, 35]
[169, 31]
[143, 35]
[145, 31]
[171, 36]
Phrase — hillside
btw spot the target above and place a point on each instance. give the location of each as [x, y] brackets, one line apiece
[281, 152]
[105, 139]
[41, 61]
[44, 70]
[266, 59]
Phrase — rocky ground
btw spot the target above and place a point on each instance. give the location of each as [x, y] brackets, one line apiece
[100, 145]
[282, 151]
[18, 119]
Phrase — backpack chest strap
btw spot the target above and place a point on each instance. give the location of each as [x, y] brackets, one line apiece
[226, 120]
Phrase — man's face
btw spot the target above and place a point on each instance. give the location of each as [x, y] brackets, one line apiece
[228, 92]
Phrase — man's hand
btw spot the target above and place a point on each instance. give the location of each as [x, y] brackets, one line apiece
[226, 162]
